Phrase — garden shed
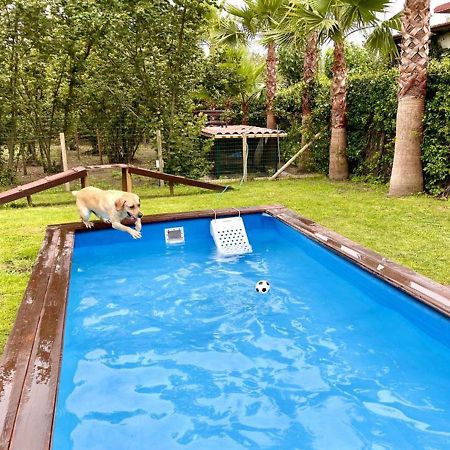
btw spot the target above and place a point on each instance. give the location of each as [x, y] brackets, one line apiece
[244, 149]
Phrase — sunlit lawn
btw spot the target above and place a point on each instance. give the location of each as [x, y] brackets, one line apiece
[413, 231]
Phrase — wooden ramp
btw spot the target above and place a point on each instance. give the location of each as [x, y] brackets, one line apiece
[27, 190]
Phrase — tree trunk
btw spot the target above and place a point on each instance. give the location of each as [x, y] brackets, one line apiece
[407, 176]
[310, 66]
[14, 71]
[245, 113]
[338, 169]
[177, 75]
[271, 84]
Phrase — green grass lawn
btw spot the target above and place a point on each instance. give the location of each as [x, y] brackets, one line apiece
[413, 231]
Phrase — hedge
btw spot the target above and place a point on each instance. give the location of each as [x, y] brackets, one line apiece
[372, 108]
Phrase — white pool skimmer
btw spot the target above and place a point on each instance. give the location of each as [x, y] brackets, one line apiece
[230, 236]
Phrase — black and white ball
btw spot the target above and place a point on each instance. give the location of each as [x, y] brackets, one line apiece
[262, 287]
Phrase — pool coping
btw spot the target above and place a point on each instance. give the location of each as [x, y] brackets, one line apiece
[29, 368]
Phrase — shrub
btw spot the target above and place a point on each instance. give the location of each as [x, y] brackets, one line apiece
[436, 145]
[6, 175]
[188, 150]
[372, 109]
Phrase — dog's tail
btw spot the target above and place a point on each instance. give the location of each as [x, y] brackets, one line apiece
[74, 193]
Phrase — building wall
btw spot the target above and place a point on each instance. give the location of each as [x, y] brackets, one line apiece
[444, 40]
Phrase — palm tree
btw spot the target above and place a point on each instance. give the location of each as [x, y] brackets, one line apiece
[250, 73]
[407, 177]
[252, 20]
[243, 72]
[310, 66]
[333, 20]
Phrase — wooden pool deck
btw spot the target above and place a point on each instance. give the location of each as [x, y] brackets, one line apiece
[30, 365]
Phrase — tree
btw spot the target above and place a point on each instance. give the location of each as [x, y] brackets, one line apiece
[249, 70]
[311, 64]
[334, 20]
[151, 86]
[256, 18]
[232, 75]
[407, 177]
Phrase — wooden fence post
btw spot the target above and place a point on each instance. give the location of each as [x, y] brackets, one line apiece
[171, 187]
[244, 157]
[160, 164]
[62, 139]
[77, 145]
[84, 182]
[127, 184]
[99, 146]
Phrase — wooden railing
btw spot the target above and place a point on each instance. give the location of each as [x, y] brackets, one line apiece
[26, 190]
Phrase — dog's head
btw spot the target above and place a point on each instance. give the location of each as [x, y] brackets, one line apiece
[129, 204]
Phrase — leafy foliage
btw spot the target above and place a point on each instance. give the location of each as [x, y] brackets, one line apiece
[118, 68]
[290, 64]
[436, 154]
[372, 106]
[358, 60]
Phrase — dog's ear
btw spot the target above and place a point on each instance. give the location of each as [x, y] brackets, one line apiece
[119, 204]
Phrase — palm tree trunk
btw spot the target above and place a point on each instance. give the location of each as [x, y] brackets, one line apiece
[338, 169]
[310, 66]
[245, 113]
[407, 176]
[271, 84]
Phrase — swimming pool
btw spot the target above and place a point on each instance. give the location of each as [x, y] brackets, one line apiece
[170, 346]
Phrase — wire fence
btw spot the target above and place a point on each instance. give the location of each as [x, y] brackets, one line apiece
[228, 157]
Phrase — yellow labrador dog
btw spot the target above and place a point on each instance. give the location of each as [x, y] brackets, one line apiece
[111, 207]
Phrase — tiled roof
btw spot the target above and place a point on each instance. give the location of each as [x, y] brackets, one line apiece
[444, 8]
[237, 131]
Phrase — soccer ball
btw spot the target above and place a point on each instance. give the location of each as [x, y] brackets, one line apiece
[262, 287]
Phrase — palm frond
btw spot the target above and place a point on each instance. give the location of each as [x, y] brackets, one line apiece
[370, 5]
[381, 40]
[230, 32]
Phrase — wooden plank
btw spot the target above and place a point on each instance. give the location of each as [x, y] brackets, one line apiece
[105, 166]
[244, 157]
[42, 184]
[127, 184]
[166, 217]
[303, 149]
[81, 172]
[17, 352]
[34, 420]
[84, 182]
[176, 179]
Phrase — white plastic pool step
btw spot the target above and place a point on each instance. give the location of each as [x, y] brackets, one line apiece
[230, 236]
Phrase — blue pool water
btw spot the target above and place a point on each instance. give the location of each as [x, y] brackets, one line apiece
[172, 348]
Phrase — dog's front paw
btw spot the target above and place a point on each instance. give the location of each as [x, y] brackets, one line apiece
[106, 220]
[135, 234]
[88, 224]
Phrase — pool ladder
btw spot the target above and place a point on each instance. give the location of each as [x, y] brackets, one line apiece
[230, 235]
